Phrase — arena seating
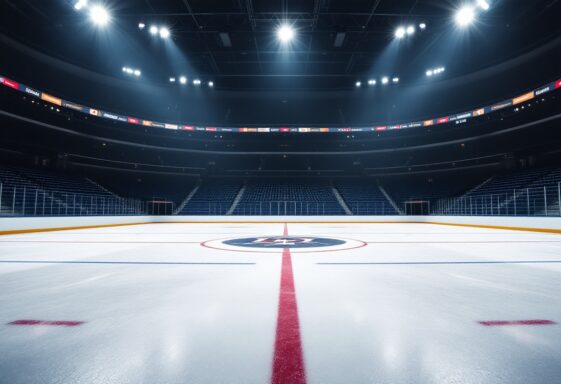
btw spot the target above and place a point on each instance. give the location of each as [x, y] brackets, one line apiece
[288, 197]
[533, 192]
[214, 197]
[28, 191]
[364, 197]
[421, 191]
[510, 182]
[542, 195]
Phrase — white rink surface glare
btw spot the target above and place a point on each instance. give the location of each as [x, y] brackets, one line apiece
[391, 323]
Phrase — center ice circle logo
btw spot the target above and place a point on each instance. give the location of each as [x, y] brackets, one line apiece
[284, 242]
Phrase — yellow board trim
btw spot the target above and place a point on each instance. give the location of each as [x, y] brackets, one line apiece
[523, 229]
[37, 230]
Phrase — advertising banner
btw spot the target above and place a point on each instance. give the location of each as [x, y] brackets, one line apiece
[503, 105]
[75, 107]
[523, 98]
[458, 118]
[51, 99]
[31, 91]
[10, 83]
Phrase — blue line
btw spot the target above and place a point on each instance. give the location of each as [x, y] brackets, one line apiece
[114, 262]
[450, 262]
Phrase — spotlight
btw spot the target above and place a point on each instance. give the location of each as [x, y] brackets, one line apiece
[99, 15]
[465, 16]
[164, 33]
[130, 71]
[153, 30]
[196, 82]
[285, 33]
[172, 79]
[435, 71]
[483, 4]
[183, 80]
[400, 33]
[423, 25]
[410, 30]
[358, 84]
[80, 4]
[395, 80]
[385, 80]
[141, 25]
[372, 82]
[211, 84]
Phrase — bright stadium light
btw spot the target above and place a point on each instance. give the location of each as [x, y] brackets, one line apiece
[172, 79]
[183, 80]
[423, 25]
[211, 84]
[153, 30]
[410, 30]
[164, 33]
[395, 80]
[130, 71]
[400, 32]
[385, 80]
[99, 15]
[435, 71]
[358, 84]
[141, 25]
[372, 82]
[197, 82]
[465, 16]
[483, 4]
[285, 33]
[80, 4]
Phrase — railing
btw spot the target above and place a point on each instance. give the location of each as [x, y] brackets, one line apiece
[536, 201]
[287, 208]
[375, 208]
[27, 201]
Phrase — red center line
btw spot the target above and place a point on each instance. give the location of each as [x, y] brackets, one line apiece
[46, 322]
[288, 360]
[516, 322]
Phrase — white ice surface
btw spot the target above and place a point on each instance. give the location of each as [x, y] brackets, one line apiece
[360, 323]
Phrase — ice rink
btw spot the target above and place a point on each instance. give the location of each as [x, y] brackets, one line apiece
[282, 303]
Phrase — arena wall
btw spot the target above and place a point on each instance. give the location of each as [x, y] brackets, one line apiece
[14, 225]
[37, 224]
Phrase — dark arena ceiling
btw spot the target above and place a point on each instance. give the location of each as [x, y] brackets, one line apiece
[233, 42]
[511, 47]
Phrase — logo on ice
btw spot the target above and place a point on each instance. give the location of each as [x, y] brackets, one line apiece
[284, 242]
